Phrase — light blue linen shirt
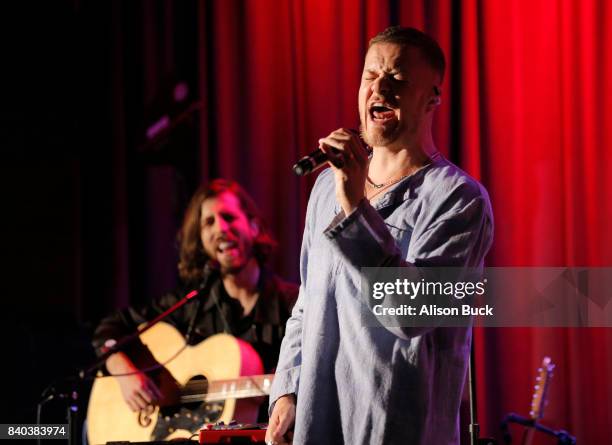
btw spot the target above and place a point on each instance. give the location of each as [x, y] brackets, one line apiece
[375, 385]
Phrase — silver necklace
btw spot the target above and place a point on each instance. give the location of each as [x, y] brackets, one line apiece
[384, 184]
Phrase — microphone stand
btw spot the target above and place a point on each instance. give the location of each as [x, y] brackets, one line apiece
[72, 394]
[474, 427]
[563, 437]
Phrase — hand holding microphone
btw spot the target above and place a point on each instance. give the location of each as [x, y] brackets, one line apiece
[349, 157]
[316, 159]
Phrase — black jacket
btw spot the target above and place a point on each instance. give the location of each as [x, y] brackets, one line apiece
[264, 328]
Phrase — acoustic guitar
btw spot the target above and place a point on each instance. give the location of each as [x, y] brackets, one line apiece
[206, 383]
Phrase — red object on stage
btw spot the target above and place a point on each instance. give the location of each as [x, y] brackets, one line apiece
[228, 434]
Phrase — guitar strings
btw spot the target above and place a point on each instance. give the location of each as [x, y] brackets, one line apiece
[193, 394]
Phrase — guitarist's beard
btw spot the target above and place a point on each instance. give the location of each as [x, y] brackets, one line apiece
[232, 270]
[236, 268]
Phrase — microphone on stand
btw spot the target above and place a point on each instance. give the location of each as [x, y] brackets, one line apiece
[209, 278]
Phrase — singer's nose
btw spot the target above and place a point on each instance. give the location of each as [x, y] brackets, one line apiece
[382, 85]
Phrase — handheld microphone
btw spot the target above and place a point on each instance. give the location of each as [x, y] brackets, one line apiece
[318, 158]
[314, 161]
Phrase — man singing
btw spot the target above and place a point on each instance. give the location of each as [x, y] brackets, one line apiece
[403, 205]
[221, 224]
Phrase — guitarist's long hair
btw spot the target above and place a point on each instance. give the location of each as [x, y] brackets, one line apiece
[192, 257]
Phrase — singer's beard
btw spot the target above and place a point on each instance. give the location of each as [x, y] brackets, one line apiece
[380, 137]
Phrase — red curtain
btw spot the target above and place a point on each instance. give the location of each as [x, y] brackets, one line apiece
[524, 110]
[536, 131]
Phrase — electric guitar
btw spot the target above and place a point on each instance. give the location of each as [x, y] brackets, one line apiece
[200, 385]
[538, 402]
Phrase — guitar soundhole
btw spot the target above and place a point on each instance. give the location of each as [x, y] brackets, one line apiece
[191, 414]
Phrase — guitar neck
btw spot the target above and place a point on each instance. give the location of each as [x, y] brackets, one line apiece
[538, 401]
[217, 390]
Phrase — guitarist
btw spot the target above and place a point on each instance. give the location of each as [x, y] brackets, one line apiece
[221, 224]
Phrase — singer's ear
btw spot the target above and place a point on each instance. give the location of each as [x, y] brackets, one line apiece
[436, 99]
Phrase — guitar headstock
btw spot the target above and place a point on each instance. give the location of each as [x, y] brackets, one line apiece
[538, 402]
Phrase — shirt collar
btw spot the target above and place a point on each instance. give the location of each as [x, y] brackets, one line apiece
[266, 309]
[404, 189]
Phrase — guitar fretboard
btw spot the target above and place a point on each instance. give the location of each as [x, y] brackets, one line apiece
[217, 390]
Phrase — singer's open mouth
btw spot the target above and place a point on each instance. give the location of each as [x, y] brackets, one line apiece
[381, 113]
